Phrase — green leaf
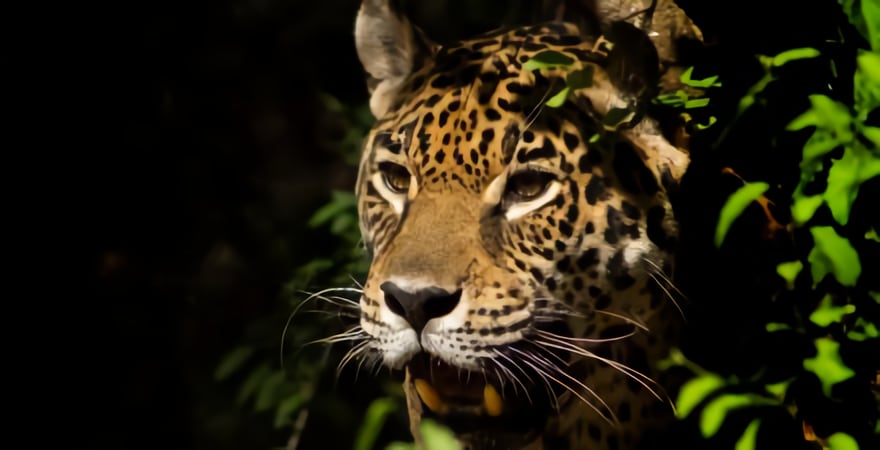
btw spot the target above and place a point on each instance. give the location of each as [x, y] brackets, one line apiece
[858, 12]
[808, 118]
[735, 205]
[789, 271]
[696, 103]
[374, 418]
[833, 254]
[793, 55]
[778, 389]
[803, 208]
[342, 223]
[695, 391]
[867, 83]
[269, 392]
[580, 79]
[401, 446]
[438, 437]
[817, 146]
[826, 313]
[833, 123]
[674, 99]
[863, 330]
[286, 408]
[846, 174]
[842, 441]
[547, 59]
[558, 99]
[340, 203]
[746, 102]
[872, 134]
[685, 76]
[704, 83]
[827, 365]
[749, 438]
[776, 326]
[871, 14]
[712, 120]
[872, 235]
[233, 361]
[716, 411]
[615, 116]
[252, 383]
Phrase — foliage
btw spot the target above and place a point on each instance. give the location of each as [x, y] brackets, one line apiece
[436, 437]
[831, 309]
[736, 204]
[682, 98]
[286, 388]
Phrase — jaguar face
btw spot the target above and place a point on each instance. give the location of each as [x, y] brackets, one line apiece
[515, 245]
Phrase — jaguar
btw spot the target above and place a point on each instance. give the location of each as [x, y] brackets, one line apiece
[514, 198]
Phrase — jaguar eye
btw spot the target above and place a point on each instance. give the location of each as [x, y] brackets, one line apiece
[395, 176]
[527, 185]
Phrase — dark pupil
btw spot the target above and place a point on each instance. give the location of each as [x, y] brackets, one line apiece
[529, 184]
[396, 176]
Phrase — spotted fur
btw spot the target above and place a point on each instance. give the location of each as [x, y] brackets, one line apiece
[522, 243]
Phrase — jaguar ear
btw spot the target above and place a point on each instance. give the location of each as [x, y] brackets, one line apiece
[388, 47]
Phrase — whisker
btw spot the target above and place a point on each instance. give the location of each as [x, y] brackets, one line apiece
[536, 111]
[577, 382]
[356, 283]
[626, 319]
[667, 292]
[540, 365]
[345, 314]
[503, 382]
[364, 360]
[555, 313]
[585, 340]
[355, 333]
[513, 376]
[559, 308]
[637, 376]
[666, 283]
[547, 387]
[341, 302]
[353, 353]
[377, 366]
[312, 296]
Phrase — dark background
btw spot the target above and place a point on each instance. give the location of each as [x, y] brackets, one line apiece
[213, 148]
[208, 146]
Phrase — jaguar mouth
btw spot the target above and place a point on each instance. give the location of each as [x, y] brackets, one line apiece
[480, 405]
[449, 391]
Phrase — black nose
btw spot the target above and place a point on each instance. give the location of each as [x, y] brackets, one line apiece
[420, 306]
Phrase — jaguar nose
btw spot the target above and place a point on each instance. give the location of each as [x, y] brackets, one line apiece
[419, 306]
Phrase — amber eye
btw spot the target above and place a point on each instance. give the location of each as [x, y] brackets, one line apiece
[396, 177]
[527, 185]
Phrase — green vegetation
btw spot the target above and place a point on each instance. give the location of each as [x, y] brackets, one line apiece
[832, 305]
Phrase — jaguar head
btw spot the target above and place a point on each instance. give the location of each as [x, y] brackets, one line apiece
[513, 198]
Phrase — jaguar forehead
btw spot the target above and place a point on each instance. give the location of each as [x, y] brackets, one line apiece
[470, 104]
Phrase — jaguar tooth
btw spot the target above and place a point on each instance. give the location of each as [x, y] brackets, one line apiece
[430, 397]
[492, 402]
